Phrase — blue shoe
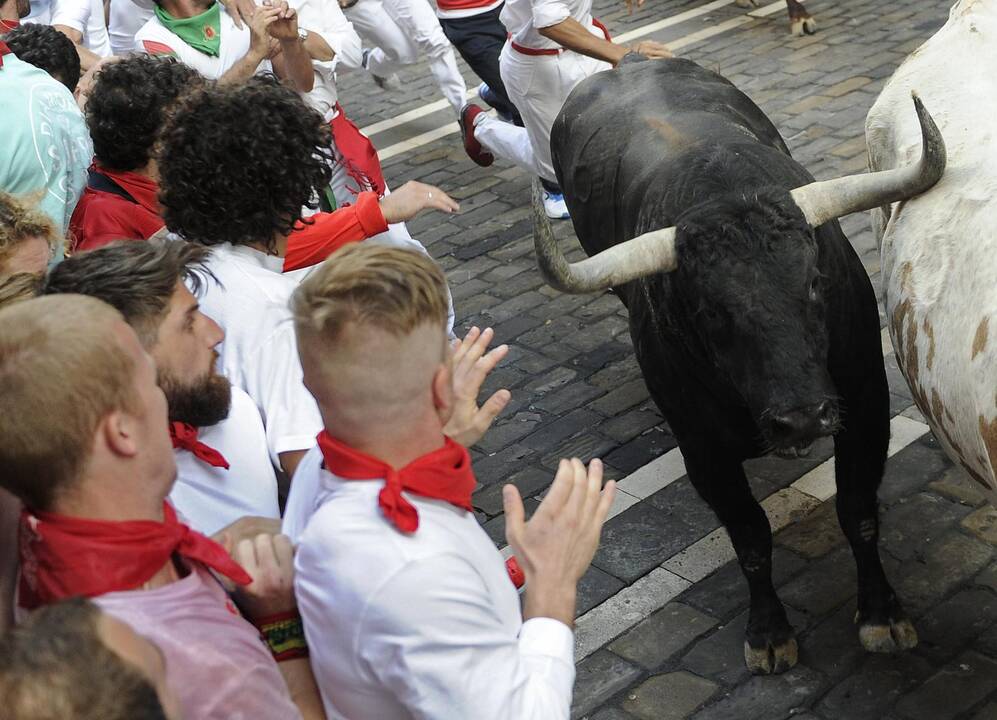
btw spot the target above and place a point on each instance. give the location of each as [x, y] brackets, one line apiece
[555, 206]
[489, 97]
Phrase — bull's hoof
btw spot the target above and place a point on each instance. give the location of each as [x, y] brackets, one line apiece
[896, 636]
[770, 658]
[803, 26]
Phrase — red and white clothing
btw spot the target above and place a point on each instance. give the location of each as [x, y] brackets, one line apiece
[424, 625]
[538, 75]
[400, 30]
[210, 497]
[116, 205]
[456, 9]
[154, 39]
[7, 25]
[216, 662]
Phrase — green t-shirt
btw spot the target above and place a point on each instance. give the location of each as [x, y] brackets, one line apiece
[46, 148]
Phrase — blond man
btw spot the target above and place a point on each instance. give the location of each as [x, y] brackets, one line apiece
[27, 238]
[407, 604]
[84, 446]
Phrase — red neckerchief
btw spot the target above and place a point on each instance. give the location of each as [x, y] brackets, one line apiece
[444, 474]
[64, 556]
[7, 25]
[184, 437]
[4, 49]
[359, 156]
[144, 190]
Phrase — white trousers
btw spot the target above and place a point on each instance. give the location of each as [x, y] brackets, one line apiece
[538, 85]
[401, 29]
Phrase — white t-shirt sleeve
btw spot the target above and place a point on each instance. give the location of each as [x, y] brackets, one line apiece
[431, 637]
[73, 14]
[273, 378]
[549, 12]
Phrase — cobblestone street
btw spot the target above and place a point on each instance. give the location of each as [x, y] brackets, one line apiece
[663, 609]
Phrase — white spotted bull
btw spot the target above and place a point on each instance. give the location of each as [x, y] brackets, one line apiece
[939, 250]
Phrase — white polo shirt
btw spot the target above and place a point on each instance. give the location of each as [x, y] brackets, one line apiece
[524, 18]
[153, 38]
[259, 353]
[84, 16]
[426, 625]
[209, 498]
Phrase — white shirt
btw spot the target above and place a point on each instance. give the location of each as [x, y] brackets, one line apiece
[126, 18]
[210, 497]
[234, 44]
[326, 18]
[423, 626]
[84, 16]
[524, 18]
[259, 353]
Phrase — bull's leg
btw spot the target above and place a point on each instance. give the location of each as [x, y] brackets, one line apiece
[800, 21]
[770, 643]
[860, 454]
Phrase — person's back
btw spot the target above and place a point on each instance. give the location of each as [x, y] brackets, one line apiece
[46, 147]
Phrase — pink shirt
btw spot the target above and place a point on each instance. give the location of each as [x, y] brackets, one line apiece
[216, 662]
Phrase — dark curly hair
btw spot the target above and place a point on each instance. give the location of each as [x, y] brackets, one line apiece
[45, 47]
[128, 105]
[238, 162]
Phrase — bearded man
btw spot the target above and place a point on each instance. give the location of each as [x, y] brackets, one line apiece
[224, 470]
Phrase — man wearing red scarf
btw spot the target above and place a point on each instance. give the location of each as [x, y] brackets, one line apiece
[408, 605]
[84, 445]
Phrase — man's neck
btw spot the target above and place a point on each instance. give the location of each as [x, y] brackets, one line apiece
[9, 12]
[93, 500]
[279, 247]
[391, 445]
[186, 8]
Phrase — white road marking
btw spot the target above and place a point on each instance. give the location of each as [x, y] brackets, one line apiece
[453, 128]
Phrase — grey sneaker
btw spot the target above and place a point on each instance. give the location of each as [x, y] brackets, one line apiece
[389, 82]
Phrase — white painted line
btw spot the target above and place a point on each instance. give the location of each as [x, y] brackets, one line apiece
[610, 619]
[768, 10]
[887, 341]
[670, 21]
[703, 557]
[621, 502]
[647, 480]
[707, 33]
[418, 141]
[407, 117]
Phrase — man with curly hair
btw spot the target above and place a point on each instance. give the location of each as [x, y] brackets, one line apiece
[125, 111]
[237, 165]
[45, 47]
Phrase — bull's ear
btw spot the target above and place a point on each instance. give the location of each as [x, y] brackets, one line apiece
[647, 254]
[824, 201]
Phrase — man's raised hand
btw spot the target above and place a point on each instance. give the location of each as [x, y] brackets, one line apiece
[412, 198]
[555, 547]
[631, 3]
[471, 365]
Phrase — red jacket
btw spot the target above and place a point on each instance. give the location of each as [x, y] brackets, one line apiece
[123, 206]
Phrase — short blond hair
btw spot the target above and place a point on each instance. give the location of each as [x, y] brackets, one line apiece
[19, 220]
[62, 371]
[386, 288]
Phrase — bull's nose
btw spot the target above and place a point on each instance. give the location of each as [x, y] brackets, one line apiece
[800, 426]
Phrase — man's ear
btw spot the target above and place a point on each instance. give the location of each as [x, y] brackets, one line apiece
[443, 394]
[120, 432]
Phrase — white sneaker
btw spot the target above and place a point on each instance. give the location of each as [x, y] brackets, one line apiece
[555, 206]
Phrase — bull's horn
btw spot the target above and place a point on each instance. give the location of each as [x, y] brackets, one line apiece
[650, 253]
[824, 201]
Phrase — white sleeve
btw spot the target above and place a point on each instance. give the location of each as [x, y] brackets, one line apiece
[444, 653]
[549, 12]
[326, 18]
[73, 14]
[273, 379]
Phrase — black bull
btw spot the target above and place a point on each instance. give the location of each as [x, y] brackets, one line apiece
[763, 335]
